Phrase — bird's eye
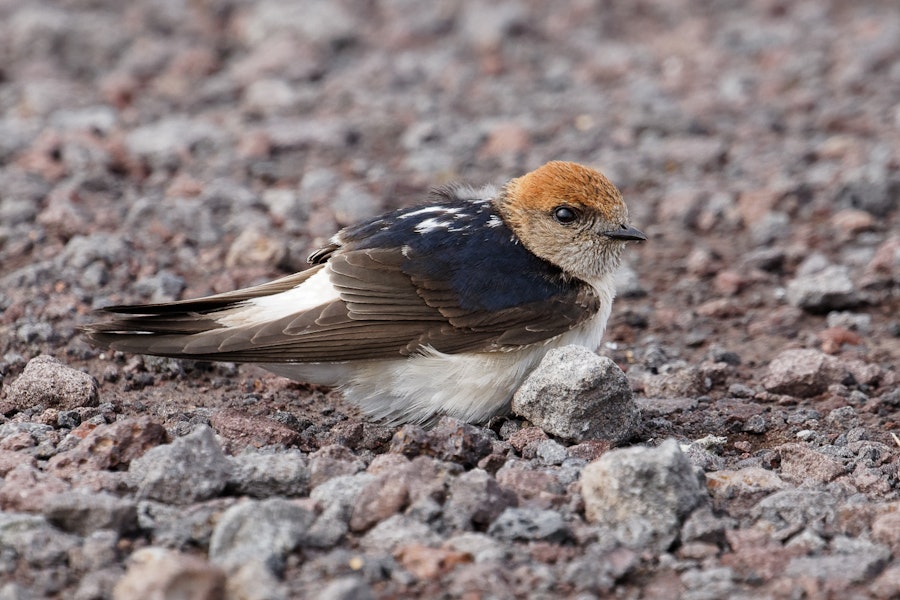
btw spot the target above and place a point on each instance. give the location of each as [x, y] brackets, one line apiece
[565, 215]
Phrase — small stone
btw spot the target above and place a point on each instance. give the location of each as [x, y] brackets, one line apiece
[84, 512]
[451, 440]
[347, 588]
[685, 382]
[643, 494]
[530, 524]
[155, 572]
[551, 452]
[190, 469]
[797, 508]
[28, 489]
[396, 531]
[828, 289]
[45, 381]
[576, 395]
[252, 430]
[429, 563]
[748, 481]
[802, 464]
[860, 322]
[887, 585]
[336, 498]
[264, 531]
[111, 447]
[475, 499]
[459, 442]
[802, 373]
[253, 247]
[265, 475]
[254, 581]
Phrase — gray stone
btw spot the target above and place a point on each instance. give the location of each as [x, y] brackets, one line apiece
[530, 524]
[190, 469]
[337, 498]
[797, 508]
[642, 494]
[83, 512]
[182, 527]
[551, 452]
[860, 322]
[598, 567]
[397, 531]
[828, 289]
[577, 395]
[264, 531]
[480, 546]
[475, 499]
[347, 588]
[35, 541]
[857, 566]
[264, 475]
[47, 382]
[708, 584]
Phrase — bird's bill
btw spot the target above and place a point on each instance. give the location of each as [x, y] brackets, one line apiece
[626, 233]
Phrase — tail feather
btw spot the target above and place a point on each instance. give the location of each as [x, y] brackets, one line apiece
[164, 329]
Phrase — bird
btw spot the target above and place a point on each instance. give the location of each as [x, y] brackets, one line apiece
[437, 309]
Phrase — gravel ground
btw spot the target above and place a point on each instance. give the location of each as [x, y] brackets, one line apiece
[154, 150]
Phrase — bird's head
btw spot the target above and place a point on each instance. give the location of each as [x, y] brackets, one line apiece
[570, 215]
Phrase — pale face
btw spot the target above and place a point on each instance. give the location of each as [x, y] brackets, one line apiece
[571, 216]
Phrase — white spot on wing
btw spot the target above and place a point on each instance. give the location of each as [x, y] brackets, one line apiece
[494, 221]
[315, 291]
[422, 211]
[431, 224]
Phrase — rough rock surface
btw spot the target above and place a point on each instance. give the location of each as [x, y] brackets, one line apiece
[153, 151]
[576, 395]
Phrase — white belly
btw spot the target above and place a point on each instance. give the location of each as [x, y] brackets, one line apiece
[417, 389]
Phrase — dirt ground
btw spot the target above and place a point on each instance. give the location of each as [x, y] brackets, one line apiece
[152, 151]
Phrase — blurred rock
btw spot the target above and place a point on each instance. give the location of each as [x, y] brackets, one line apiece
[265, 475]
[802, 373]
[155, 572]
[577, 395]
[530, 524]
[84, 512]
[162, 472]
[475, 500]
[642, 495]
[828, 289]
[264, 531]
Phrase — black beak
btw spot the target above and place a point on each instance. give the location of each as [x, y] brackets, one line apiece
[625, 233]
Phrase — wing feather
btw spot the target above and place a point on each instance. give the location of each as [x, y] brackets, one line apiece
[383, 311]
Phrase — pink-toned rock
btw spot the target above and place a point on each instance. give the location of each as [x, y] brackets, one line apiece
[110, 447]
[886, 529]
[802, 373]
[887, 585]
[743, 482]
[851, 221]
[27, 489]
[755, 205]
[504, 139]
[159, 573]
[429, 563]
[246, 429]
[532, 488]
[9, 460]
[802, 464]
